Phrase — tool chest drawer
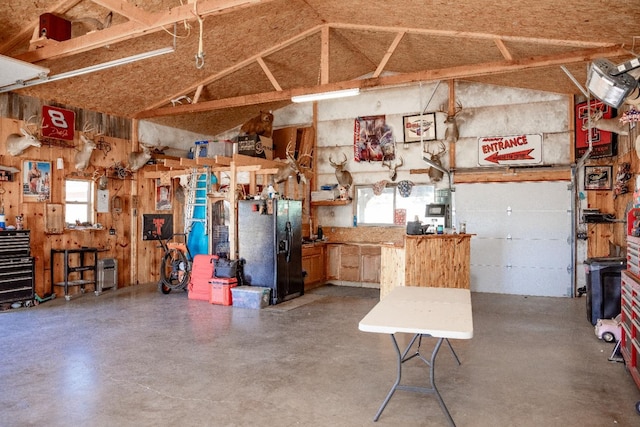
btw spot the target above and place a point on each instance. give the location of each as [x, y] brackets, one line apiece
[16, 279]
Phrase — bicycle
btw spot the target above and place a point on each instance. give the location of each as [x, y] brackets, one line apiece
[175, 267]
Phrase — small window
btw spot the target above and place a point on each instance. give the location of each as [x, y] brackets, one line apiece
[372, 209]
[78, 202]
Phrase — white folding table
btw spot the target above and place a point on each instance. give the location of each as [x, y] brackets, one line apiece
[441, 313]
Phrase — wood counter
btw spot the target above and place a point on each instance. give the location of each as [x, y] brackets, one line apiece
[435, 260]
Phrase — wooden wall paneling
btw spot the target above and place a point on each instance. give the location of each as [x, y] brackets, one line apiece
[116, 246]
[392, 272]
[605, 238]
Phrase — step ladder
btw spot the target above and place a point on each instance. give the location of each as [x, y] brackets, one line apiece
[196, 199]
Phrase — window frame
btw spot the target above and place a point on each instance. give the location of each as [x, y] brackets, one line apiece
[421, 207]
[90, 203]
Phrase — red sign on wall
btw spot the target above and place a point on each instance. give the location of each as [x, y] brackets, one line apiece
[58, 123]
[601, 141]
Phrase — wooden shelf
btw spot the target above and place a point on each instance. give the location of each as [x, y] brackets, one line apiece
[330, 202]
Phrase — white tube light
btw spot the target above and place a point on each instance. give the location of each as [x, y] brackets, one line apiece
[326, 95]
[90, 69]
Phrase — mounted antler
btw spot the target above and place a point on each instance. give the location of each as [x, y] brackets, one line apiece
[17, 144]
[83, 157]
[393, 166]
[609, 125]
[138, 159]
[292, 166]
[451, 126]
[436, 174]
[343, 176]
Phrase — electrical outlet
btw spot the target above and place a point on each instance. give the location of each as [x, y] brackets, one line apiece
[112, 231]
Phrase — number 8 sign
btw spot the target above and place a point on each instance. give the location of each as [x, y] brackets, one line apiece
[58, 123]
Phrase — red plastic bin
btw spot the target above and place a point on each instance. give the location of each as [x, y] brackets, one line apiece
[221, 290]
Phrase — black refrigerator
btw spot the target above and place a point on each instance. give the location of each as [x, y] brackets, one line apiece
[270, 241]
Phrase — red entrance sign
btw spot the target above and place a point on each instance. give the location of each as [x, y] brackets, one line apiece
[58, 123]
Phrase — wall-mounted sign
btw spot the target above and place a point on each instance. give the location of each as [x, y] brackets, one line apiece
[58, 123]
[510, 150]
[601, 141]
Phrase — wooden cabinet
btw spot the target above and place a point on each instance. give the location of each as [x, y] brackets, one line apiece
[333, 262]
[313, 263]
[352, 263]
[438, 260]
[370, 264]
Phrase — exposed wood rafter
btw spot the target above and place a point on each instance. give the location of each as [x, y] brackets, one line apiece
[459, 72]
[132, 29]
[387, 55]
[127, 10]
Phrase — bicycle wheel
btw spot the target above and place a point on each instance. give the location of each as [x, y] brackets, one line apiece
[174, 270]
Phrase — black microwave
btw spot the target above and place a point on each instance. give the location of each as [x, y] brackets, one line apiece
[437, 209]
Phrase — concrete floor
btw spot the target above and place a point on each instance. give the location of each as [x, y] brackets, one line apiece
[134, 357]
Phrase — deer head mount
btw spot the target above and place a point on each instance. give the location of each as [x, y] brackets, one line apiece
[393, 167]
[292, 166]
[138, 159]
[614, 124]
[434, 157]
[343, 176]
[451, 133]
[17, 144]
[83, 157]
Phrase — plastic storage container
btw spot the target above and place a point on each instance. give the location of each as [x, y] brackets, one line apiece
[250, 296]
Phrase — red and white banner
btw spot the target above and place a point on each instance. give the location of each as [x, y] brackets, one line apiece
[510, 150]
[58, 123]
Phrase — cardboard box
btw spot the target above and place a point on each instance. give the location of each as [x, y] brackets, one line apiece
[255, 297]
[255, 146]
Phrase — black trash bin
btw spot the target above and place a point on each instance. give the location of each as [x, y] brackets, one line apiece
[603, 287]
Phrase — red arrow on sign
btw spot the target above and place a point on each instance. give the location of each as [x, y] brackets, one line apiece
[516, 155]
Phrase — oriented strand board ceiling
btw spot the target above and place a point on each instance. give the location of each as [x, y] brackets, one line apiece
[257, 53]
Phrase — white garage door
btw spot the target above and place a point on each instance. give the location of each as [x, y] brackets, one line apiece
[522, 242]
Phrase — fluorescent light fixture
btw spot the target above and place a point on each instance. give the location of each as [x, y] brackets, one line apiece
[13, 70]
[90, 69]
[326, 95]
[611, 84]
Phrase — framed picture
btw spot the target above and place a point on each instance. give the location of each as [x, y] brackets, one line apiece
[36, 181]
[598, 177]
[157, 226]
[419, 127]
[373, 139]
[163, 196]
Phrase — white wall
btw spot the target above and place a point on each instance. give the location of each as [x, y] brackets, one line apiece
[487, 111]
[179, 141]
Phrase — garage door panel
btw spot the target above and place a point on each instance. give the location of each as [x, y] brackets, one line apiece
[536, 253]
[486, 251]
[523, 225]
[539, 281]
[521, 236]
[520, 280]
